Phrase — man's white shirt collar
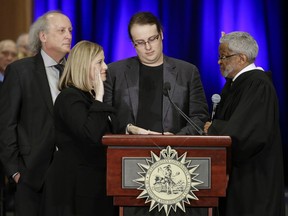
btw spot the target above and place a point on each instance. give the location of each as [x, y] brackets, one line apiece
[248, 68]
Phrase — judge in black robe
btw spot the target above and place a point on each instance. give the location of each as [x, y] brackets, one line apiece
[248, 113]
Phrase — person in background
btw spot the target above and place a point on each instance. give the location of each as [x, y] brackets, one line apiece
[23, 46]
[134, 86]
[76, 179]
[8, 54]
[248, 113]
[27, 137]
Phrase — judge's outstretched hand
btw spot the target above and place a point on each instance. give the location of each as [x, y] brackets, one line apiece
[206, 126]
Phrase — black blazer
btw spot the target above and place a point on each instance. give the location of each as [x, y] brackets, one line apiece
[122, 88]
[78, 170]
[26, 121]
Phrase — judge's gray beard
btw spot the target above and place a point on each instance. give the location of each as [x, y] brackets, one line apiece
[227, 71]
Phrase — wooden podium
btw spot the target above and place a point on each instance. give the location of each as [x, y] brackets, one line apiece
[126, 151]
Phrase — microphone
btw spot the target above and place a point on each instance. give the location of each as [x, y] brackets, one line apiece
[216, 98]
[166, 90]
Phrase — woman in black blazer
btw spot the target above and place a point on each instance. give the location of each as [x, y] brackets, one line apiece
[76, 180]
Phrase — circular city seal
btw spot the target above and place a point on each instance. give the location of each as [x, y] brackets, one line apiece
[168, 181]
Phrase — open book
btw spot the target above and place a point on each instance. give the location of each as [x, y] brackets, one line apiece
[132, 129]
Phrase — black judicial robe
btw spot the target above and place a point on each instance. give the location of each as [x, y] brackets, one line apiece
[248, 113]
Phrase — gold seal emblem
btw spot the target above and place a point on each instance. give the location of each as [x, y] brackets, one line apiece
[168, 181]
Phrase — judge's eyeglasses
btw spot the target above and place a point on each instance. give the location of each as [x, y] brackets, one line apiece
[221, 58]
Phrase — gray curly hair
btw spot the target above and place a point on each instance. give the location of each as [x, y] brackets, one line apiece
[41, 24]
[241, 42]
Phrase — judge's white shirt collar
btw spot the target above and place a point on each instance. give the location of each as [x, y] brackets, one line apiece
[248, 68]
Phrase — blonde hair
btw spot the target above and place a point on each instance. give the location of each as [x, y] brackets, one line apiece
[77, 68]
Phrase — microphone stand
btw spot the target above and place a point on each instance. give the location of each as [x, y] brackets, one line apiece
[196, 127]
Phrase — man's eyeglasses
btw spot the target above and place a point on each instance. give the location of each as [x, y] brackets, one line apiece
[142, 43]
[221, 58]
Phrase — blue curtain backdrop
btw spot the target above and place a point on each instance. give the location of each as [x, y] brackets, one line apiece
[191, 32]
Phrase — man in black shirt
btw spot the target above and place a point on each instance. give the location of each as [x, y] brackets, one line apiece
[134, 86]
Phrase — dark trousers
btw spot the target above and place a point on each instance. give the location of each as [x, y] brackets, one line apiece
[27, 201]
